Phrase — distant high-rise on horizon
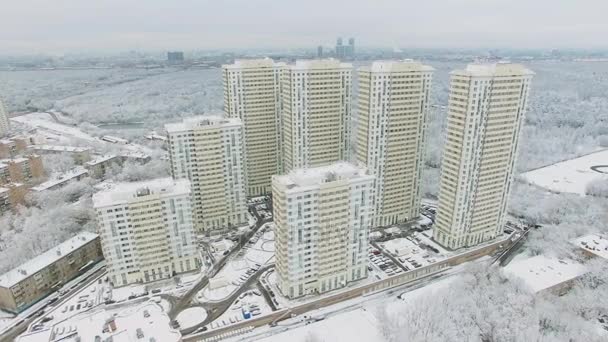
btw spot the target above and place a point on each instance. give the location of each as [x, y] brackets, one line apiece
[252, 94]
[4, 123]
[345, 51]
[316, 106]
[209, 151]
[393, 108]
[485, 114]
[175, 56]
[320, 51]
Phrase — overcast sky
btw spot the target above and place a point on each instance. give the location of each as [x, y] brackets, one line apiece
[57, 26]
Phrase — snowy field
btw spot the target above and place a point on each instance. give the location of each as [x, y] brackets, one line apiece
[354, 320]
[191, 317]
[571, 176]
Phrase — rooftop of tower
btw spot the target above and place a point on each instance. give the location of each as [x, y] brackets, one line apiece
[325, 63]
[122, 193]
[494, 69]
[253, 63]
[202, 121]
[395, 66]
[307, 177]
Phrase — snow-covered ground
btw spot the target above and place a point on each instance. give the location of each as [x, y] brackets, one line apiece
[571, 176]
[353, 320]
[191, 317]
[258, 252]
[250, 304]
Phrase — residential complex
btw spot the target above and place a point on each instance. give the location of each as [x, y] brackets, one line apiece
[4, 123]
[146, 230]
[393, 109]
[316, 105]
[37, 278]
[21, 170]
[252, 94]
[485, 114]
[322, 217]
[209, 151]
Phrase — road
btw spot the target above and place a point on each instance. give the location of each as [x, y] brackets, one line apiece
[12, 333]
[217, 308]
[304, 308]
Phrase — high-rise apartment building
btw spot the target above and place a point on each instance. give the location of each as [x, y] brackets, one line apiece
[485, 115]
[252, 94]
[393, 108]
[146, 230]
[316, 105]
[209, 151]
[4, 123]
[322, 218]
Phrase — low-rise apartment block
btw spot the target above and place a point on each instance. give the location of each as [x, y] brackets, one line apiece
[80, 155]
[11, 195]
[26, 170]
[146, 230]
[12, 147]
[26, 284]
[322, 218]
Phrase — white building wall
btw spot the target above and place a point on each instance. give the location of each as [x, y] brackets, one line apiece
[322, 228]
[485, 114]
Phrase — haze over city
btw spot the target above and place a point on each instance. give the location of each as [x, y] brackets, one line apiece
[38, 26]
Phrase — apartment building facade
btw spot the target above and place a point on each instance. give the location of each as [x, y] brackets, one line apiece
[252, 94]
[146, 230]
[4, 123]
[27, 170]
[486, 111]
[209, 151]
[393, 105]
[12, 147]
[11, 195]
[28, 283]
[315, 114]
[322, 217]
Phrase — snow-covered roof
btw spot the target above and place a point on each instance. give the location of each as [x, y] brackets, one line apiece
[122, 193]
[311, 64]
[124, 327]
[542, 272]
[202, 121]
[594, 243]
[253, 63]
[45, 259]
[323, 174]
[494, 69]
[60, 148]
[101, 159]
[61, 178]
[406, 65]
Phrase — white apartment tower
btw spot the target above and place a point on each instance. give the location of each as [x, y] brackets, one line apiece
[316, 105]
[252, 94]
[146, 230]
[4, 123]
[322, 217]
[208, 150]
[485, 115]
[393, 108]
